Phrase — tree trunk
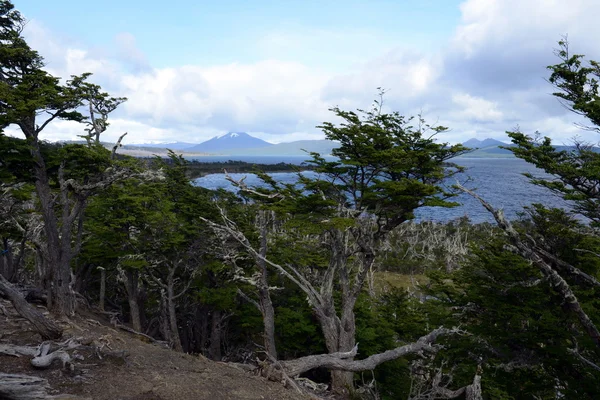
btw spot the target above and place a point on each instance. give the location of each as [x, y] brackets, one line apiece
[102, 288]
[204, 335]
[173, 318]
[61, 300]
[264, 294]
[61, 290]
[338, 340]
[214, 350]
[164, 318]
[45, 327]
[268, 314]
[7, 267]
[131, 285]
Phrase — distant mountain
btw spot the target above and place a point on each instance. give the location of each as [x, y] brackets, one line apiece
[224, 144]
[480, 144]
[297, 148]
[487, 148]
[163, 145]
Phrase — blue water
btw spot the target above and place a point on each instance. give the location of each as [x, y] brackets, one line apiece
[499, 181]
[296, 160]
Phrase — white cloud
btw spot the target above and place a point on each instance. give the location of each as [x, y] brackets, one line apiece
[269, 96]
[476, 108]
[129, 53]
[525, 24]
[405, 75]
[488, 79]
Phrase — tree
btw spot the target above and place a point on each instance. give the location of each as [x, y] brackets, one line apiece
[386, 168]
[32, 99]
[574, 171]
[563, 251]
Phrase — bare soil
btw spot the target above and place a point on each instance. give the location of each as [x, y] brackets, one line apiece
[127, 368]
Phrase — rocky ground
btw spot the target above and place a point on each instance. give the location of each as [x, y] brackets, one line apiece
[111, 364]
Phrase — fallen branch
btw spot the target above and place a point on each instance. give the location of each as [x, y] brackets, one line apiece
[343, 361]
[25, 387]
[44, 326]
[17, 351]
[44, 359]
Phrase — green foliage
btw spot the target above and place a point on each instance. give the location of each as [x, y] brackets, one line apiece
[577, 84]
[297, 330]
[28, 92]
[387, 166]
[15, 160]
[518, 330]
[383, 323]
[578, 170]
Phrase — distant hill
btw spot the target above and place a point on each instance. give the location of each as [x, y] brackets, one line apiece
[162, 145]
[480, 144]
[296, 148]
[226, 143]
[487, 148]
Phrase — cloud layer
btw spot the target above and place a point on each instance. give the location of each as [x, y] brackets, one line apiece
[488, 78]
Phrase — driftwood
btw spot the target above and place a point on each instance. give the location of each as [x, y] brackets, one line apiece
[44, 326]
[43, 355]
[44, 358]
[25, 387]
[17, 351]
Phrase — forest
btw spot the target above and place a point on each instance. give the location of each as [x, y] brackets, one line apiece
[330, 278]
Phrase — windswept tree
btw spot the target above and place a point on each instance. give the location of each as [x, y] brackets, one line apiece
[561, 246]
[32, 99]
[386, 167]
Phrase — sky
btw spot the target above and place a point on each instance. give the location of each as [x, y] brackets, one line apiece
[194, 69]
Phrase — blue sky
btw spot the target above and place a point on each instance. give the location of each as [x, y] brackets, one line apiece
[195, 69]
[209, 32]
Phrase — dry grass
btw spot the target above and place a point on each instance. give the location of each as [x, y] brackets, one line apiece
[393, 280]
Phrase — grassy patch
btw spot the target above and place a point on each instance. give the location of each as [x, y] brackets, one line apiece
[386, 279]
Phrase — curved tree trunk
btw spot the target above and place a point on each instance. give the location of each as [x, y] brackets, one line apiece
[44, 326]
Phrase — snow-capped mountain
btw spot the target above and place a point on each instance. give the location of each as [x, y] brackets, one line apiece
[228, 142]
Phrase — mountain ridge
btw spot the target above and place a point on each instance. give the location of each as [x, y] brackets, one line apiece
[228, 142]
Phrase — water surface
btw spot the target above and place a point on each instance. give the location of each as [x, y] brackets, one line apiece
[498, 181]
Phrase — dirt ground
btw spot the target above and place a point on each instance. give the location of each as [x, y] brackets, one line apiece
[129, 368]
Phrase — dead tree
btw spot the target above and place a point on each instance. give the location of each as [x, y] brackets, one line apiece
[260, 280]
[339, 329]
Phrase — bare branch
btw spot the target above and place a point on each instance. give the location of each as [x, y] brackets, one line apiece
[343, 361]
[117, 145]
[529, 252]
[244, 188]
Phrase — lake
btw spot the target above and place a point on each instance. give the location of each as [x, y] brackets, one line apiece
[499, 181]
